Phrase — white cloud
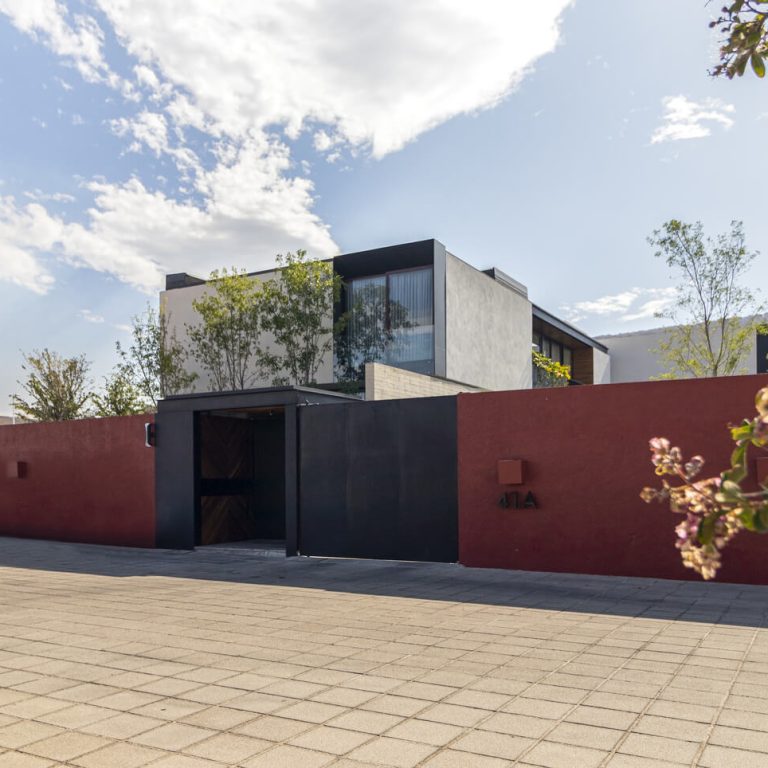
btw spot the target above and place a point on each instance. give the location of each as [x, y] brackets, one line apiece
[90, 317]
[362, 77]
[147, 128]
[77, 38]
[627, 306]
[687, 119]
[379, 73]
[25, 233]
[58, 197]
[251, 211]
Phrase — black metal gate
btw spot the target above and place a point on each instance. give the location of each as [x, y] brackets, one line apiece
[379, 480]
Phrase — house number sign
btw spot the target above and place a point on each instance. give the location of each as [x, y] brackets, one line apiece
[512, 472]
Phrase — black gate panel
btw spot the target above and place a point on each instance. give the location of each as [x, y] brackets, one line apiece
[379, 480]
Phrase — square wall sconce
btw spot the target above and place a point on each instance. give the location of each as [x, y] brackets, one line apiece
[510, 471]
[16, 470]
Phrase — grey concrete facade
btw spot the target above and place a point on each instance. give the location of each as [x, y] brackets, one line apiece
[488, 330]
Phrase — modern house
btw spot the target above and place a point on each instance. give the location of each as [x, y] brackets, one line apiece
[438, 325]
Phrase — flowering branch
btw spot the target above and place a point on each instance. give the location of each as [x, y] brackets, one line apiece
[716, 508]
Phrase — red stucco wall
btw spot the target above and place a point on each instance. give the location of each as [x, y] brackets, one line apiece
[586, 460]
[91, 480]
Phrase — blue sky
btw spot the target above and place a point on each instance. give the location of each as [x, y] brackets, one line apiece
[548, 141]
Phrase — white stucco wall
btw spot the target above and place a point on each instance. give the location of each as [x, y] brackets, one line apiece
[601, 367]
[177, 304]
[633, 356]
[489, 328]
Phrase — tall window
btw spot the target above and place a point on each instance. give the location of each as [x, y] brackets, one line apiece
[391, 320]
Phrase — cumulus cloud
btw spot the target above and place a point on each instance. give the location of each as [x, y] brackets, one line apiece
[363, 78]
[379, 73]
[687, 119]
[627, 306]
[25, 234]
[251, 211]
[76, 37]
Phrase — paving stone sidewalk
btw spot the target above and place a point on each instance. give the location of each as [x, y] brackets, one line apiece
[115, 658]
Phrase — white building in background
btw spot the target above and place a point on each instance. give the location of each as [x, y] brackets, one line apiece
[634, 356]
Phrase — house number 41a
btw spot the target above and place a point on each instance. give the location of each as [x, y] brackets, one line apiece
[511, 500]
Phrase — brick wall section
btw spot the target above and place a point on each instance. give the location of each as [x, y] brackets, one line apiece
[384, 382]
[91, 480]
[586, 458]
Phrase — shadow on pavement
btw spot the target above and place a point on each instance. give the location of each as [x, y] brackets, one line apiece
[711, 603]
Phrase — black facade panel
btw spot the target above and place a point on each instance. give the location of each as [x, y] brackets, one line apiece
[176, 482]
[762, 353]
[379, 480]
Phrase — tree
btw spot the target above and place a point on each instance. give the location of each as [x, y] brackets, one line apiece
[717, 312]
[744, 24]
[226, 341]
[298, 306]
[57, 387]
[120, 397]
[154, 363]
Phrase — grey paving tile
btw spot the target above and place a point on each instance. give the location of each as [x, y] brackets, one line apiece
[208, 660]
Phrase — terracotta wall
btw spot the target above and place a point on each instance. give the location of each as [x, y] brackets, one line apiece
[585, 452]
[91, 480]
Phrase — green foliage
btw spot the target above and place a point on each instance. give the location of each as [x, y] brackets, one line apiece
[226, 341]
[297, 310]
[154, 363]
[744, 26]
[548, 372]
[57, 388]
[712, 334]
[716, 508]
[120, 397]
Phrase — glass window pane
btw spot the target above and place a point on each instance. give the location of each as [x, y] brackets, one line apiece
[567, 357]
[410, 297]
[366, 330]
[411, 324]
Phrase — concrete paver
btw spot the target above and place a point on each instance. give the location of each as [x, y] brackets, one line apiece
[116, 658]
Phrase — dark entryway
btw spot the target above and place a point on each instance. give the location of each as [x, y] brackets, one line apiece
[242, 476]
[226, 466]
[379, 480]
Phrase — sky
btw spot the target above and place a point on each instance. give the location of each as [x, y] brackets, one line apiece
[139, 138]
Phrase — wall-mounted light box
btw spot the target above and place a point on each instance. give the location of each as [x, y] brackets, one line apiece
[510, 471]
[16, 470]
